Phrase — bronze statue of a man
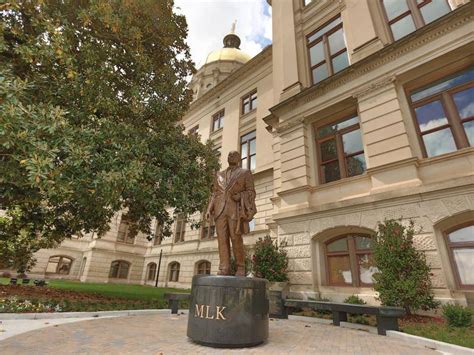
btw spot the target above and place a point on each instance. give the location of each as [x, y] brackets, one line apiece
[232, 206]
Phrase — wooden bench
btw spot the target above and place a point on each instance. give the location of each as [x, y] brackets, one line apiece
[387, 317]
[174, 298]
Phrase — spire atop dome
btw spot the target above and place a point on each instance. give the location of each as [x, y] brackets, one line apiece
[232, 40]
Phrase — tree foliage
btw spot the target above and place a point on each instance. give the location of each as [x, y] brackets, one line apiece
[403, 279]
[91, 94]
[270, 261]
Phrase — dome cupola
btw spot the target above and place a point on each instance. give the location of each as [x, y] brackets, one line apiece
[219, 64]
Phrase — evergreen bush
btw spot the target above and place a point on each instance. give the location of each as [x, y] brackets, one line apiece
[457, 315]
[403, 279]
[270, 261]
[354, 299]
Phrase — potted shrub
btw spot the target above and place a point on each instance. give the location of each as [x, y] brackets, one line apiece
[270, 262]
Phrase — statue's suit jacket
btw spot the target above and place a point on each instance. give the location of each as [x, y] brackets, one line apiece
[225, 186]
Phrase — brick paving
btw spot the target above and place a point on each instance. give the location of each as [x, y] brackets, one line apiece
[166, 334]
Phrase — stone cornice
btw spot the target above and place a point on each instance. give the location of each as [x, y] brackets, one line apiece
[457, 187]
[248, 67]
[374, 86]
[446, 24]
[286, 126]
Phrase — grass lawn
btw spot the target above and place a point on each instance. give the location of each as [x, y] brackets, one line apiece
[69, 296]
[442, 332]
[136, 292]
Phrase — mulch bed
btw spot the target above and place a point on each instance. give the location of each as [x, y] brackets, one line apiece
[414, 318]
[50, 293]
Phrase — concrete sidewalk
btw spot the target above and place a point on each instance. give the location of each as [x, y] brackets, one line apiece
[166, 333]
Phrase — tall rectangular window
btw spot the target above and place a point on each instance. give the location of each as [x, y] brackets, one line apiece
[248, 151]
[180, 228]
[340, 150]
[444, 113]
[208, 229]
[124, 234]
[218, 120]
[248, 102]
[158, 234]
[406, 16]
[327, 50]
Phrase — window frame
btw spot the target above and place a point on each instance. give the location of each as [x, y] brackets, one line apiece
[127, 238]
[353, 253]
[120, 266]
[413, 11]
[341, 156]
[60, 263]
[455, 122]
[327, 52]
[248, 156]
[252, 107]
[174, 268]
[206, 268]
[180, 221]
[450, 247]
[209, 226]
[218, 117]
[149, 269]
[158, 234]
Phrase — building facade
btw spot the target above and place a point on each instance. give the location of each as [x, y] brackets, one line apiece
[360, 110]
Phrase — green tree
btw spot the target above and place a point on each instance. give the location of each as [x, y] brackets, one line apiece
[91, 94]
[270, 261]
[403, 279]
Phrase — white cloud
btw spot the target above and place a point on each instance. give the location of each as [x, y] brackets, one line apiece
[210, 20]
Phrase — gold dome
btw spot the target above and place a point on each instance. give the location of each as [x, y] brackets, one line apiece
[228, 54]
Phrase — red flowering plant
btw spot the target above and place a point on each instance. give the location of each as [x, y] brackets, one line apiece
[270, 261]
[403, 279]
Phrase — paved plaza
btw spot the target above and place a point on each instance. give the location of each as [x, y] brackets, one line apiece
[166, 334]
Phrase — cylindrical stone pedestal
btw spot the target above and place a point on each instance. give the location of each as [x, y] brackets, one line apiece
[228, 311]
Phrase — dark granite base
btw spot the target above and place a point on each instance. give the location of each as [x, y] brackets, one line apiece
[228, 311]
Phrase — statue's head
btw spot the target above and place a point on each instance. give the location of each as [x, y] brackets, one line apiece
[233, 158]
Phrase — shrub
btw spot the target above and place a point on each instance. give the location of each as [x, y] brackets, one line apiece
[354, 299]
[270, 261]
[6, 274]
[403, 279]
[457, 315]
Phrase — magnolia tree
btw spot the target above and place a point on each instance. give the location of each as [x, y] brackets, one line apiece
[270, 261]
[91, 94]
[403, 279]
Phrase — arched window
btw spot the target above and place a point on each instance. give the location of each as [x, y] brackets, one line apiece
[59, 265]
[174, 271]
[349, 261]
[151, 272]
[119, 269]
[204, 267]
[460, 243]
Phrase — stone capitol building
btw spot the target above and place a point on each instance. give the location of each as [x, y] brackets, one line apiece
[360, 110]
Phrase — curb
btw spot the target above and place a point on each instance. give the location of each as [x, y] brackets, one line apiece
[59, 315]
[441, 346]
[355, 326]
[310, 319]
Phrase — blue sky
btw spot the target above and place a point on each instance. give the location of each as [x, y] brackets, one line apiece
[210, 20]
